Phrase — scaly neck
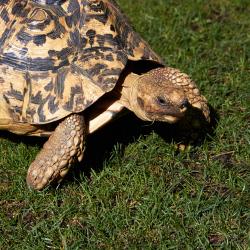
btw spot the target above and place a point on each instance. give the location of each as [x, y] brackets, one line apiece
[129, 95]
[129, 86]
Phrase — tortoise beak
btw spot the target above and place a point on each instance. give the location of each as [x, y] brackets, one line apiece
[184, 105]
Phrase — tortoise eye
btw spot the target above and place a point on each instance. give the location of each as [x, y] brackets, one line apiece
[162, 101]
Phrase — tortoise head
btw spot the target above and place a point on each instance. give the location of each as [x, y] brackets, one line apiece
[165, 94]
[39, 35]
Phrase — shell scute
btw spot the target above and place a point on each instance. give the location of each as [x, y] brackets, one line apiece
[59, 57]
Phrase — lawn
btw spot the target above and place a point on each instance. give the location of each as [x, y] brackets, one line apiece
[134, 190]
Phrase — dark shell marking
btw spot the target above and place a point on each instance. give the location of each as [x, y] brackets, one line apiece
[58, 57]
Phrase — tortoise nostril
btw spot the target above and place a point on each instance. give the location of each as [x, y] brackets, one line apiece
[184, 103]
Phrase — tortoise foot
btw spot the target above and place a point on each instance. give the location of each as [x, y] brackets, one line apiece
[64, 147]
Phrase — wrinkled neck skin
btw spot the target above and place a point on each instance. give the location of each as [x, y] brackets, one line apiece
[129, 94]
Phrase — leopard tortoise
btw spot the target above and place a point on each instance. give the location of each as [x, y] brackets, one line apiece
[67, 67]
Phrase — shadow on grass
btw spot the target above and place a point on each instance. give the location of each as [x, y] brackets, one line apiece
[124, 131]
[129, 129]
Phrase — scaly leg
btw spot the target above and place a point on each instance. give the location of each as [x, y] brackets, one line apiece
[64, 147]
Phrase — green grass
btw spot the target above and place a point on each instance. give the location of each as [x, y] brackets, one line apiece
[140, 193]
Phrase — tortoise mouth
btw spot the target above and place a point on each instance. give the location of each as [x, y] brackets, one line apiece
[176, 114]
[168, 116]
[170, 119]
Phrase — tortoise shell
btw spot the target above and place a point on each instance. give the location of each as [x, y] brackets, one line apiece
[59, 56]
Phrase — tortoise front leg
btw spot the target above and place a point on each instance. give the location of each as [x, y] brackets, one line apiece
[64, 147]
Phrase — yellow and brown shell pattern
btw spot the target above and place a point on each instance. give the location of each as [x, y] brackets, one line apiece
[59, 56]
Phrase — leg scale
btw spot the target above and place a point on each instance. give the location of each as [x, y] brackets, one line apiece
[64, 147]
